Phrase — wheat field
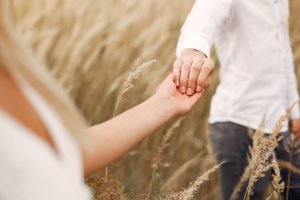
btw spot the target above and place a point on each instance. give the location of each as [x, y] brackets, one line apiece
[91, 46]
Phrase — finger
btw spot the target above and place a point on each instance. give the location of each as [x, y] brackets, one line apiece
[197, 96]
[184, 76]
[205, 73]
[207, 83]
[170, 78]
[176, 70]
[194, 72]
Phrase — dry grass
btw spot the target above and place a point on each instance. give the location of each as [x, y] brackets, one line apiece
[128, 83]
[92, 45]
[190, 192]
[278, 185]
[262, 159]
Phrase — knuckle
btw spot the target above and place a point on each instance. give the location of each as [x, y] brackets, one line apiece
[196, 68]
[177, 63]
[186, 57]
[183, 79]
[207, 68]
[186, 66]
[185, 71]
[185, 75]
[198, 61]
[199, 58]
[176, 69]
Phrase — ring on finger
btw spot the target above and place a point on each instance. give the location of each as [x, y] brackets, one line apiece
[187, 61]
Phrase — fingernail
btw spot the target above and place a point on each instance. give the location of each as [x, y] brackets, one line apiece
[177, 83]
[183, 89]
[199, 89]
[190, 91]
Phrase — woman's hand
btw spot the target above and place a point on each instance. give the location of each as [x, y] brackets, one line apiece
[180, 103]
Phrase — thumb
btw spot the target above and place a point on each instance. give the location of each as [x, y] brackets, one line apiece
[197, 96]
[171, 76]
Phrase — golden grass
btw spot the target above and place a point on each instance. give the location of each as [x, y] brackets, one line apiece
[189, 193]
[262, 159]
[92, 45]
[128, 83]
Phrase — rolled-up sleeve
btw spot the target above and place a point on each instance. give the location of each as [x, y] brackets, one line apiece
[202, 25]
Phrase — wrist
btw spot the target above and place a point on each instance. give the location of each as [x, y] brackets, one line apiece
[192, 52]
[163, 105]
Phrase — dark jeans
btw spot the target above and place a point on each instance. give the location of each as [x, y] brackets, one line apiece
[231, 145]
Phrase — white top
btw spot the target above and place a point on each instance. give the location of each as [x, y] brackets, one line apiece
[30, 169]
[254, 50]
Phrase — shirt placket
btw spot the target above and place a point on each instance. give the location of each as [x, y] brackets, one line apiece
[279, 41]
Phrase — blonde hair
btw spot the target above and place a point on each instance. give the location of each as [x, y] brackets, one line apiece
[19, 60]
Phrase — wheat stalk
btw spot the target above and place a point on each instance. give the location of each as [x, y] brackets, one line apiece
[126, 87]
[158, 156]
[189, 193]
[260, 154]
[183, 169]
[128, 84]
[259, 133]
[277, 183]
[170, 132]
[263, 150]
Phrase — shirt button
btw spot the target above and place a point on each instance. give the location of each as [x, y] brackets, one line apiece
[275, 1]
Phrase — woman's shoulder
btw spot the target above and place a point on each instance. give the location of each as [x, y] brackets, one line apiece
[31, 169]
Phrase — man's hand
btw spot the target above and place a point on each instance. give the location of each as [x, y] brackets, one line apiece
[295, 127]
[180, 103]
[192, 71]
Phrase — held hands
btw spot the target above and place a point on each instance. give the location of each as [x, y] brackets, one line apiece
[192, 71]
[179, 103]
[188, 82]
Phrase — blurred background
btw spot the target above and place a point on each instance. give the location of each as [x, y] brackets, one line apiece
[91, 46]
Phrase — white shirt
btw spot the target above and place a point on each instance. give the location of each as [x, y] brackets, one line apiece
[30, 169]
[257, 72]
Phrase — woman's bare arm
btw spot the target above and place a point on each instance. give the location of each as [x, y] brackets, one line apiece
[115, 137]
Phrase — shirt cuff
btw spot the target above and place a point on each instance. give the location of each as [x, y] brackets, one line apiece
[193, 43]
